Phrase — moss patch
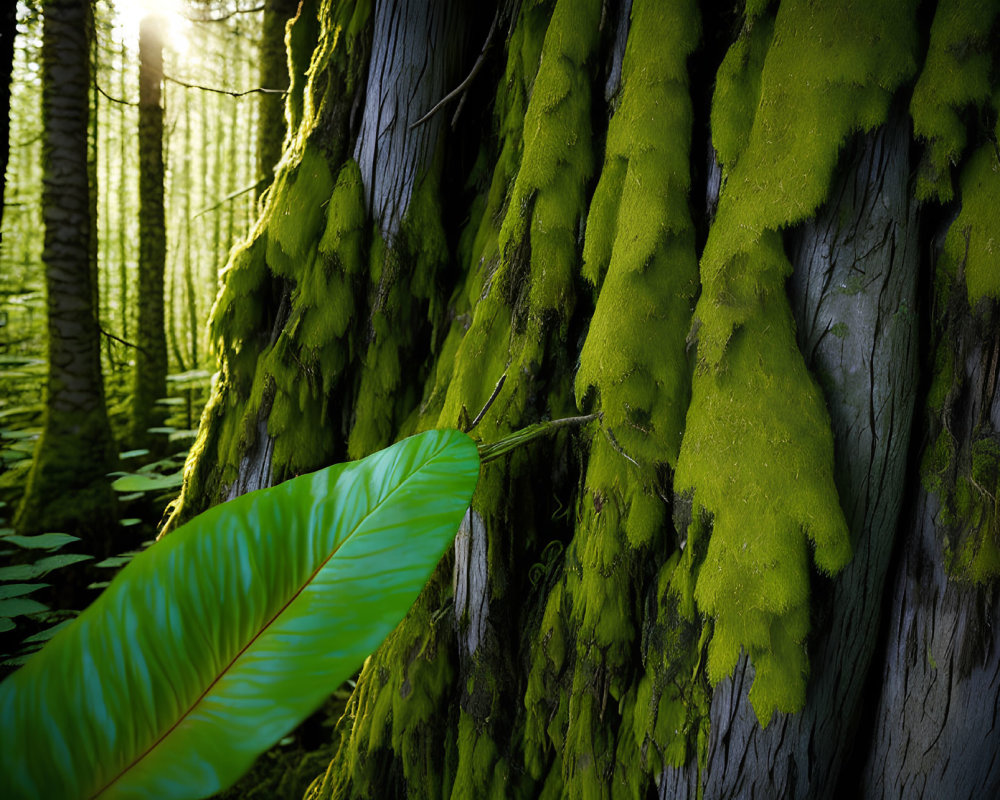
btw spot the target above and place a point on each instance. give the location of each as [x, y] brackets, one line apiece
[757, 453]
[955, 75]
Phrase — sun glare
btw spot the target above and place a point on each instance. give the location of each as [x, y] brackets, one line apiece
[130, 13]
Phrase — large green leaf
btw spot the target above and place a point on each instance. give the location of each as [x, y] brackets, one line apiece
[217, 640]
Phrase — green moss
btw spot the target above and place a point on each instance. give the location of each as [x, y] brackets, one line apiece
[972, 245]
[300, 38]
[808, 107]
[955, 75]
[757, 453]
[547, 199]
[294, 213]
[639, 230]
[737, 89]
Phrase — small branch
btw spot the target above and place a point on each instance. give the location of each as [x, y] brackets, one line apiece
[107, 96]
[482, 413]
[618, 447]
[228, 197]
[187, 85]
[468, 78]
[493, 450]
[224, 17]
[120, 340]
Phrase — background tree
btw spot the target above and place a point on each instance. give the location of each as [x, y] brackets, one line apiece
[8, 29]
[273, 76]
[151, 341]
[784, 528]
[68, 487]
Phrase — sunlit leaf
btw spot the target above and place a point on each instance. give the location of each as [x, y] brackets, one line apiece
[212, 644]
[147, 483]
[133, 454]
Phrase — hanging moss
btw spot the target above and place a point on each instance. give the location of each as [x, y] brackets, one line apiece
[973, 239]
[395, 705]
[737, 89]
[955, 75]
[757, 453]
[295, 213]
[634, 354]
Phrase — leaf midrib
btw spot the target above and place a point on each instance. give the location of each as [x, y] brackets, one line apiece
[223, 672]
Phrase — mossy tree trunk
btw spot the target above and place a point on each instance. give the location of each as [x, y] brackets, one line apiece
[150, 377]
[68, 488]
[784, 527]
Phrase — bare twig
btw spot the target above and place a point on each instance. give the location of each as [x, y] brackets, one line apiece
[482, 413]
[120, 340]
[186, 85]
[228, 197]
[224, 17]
[618, 447]
[107, 96]
[468, 78]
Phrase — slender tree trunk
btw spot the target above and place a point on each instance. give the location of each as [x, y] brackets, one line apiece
[8, 29]
[150, 382]
[273, 75]
[68, 487]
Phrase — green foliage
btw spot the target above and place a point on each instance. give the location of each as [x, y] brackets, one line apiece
[213, 643]
[955, 75]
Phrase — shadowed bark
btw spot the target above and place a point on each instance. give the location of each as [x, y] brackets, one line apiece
[8, 29]
[853, 295]
[937, 724]
[273, 75]
[68, 488]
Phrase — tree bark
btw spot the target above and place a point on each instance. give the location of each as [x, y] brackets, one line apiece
[8, 29]
[150, 382]
[935, 729]
[68, 487]
[853, 294]
[273, 75]
[564, 649]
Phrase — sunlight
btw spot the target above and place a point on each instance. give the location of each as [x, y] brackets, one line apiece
[130, 13]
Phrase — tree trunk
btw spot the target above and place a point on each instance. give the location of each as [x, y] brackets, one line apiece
[8, 29]
[150, 382]
[696, 596]
[274, 77]
[68, 489]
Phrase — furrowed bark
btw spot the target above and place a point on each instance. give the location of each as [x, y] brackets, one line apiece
[67, 488]
[937, 725]
[150, 382]
[853, 295]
